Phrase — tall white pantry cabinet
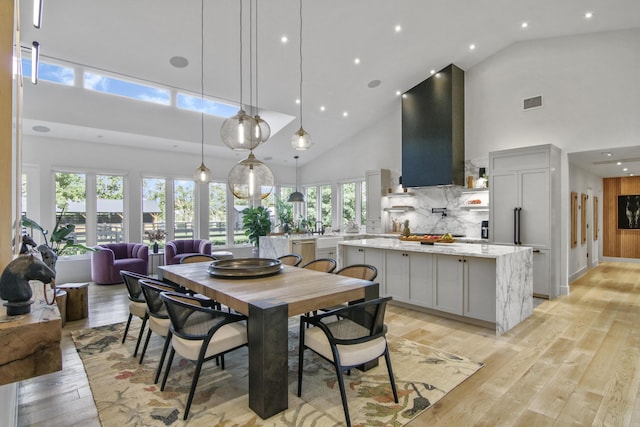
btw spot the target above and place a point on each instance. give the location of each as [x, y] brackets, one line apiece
[524, 189]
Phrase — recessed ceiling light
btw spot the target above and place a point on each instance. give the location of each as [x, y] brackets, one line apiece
[608, 154]
[178, 61]
[404, 95]
[472, 46]
[618, 163]
[398, 93]
[588, 15]
[374, 83]
[298, 101]
[356, 61]
[40, 128]
[433, 72]
[625, 169]
[524, 25]
[284, 39]
[345, 114]
[322, 108]
[630, 174]
[398, 28]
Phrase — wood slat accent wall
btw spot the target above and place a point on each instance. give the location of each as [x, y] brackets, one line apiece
[618, 243]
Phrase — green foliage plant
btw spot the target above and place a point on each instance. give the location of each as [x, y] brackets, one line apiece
[256, 223]
[59, 240]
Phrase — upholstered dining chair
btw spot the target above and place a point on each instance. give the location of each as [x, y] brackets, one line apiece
[158, 317]
[326, 265]
[197, 258]
[200, 333]
[291, 259]
[174, 250]
[137, 304]
[358, 337]
[357, 271]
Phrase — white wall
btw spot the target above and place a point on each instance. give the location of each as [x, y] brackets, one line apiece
[583, 182]
[589, 85]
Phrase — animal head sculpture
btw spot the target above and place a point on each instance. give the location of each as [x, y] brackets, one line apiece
[14, 282]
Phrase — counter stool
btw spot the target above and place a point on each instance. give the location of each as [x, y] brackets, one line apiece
[222, 254]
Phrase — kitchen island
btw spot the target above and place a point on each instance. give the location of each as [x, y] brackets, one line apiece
[490, 285]
[308, 246]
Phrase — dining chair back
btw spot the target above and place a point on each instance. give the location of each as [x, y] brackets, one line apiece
[137, 303]
[200, 333]
[359, 271]
[158, 317]
[356, 338]
[291, 259]
[197, 258]
[326, 265]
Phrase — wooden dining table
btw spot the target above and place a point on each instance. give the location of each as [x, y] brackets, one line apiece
[269, 302]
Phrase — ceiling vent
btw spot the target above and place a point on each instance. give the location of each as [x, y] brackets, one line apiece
[532, 103]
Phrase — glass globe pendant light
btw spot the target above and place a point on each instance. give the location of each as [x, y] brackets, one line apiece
[296, 196]
[301, 140]
[202, 174]
[241, 132]
[250, 179]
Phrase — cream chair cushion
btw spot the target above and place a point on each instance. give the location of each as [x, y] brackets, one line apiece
[138, 309]
[227, 337]
[350, 355]
[159, 326]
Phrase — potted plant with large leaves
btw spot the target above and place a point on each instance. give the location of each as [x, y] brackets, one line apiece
[59, 241]
[256, 223]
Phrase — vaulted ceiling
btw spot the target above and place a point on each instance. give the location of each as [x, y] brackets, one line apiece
[397, 44]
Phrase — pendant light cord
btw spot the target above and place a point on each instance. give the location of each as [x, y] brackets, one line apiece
[202, 80]
[300, 63]
[241, 54]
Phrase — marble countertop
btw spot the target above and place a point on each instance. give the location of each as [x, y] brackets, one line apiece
[462, 249]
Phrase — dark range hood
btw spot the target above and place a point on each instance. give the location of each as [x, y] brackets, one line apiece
[433, 130]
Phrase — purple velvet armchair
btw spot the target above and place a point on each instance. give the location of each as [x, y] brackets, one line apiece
[110, 259]
[175, 250]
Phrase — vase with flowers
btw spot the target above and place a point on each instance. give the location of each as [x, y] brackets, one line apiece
[154, 236]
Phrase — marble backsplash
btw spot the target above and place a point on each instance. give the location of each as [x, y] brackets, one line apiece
[461, 217]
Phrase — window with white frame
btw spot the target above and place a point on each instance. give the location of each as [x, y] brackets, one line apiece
[154, 196]
[110, 221]
[218, 213]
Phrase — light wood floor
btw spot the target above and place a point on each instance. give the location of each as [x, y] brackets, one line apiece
[574, 362]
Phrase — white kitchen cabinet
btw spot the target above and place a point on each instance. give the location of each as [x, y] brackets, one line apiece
[521, 208]
[326, 253]
[479, 288]
[524, 187]
[409, 277]
[378, 182]
[397, 277]
[465, 286]
[447, 284]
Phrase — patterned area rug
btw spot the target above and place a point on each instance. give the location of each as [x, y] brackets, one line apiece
[125, 394]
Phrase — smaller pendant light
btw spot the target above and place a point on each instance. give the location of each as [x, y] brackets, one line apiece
[301, 140]
[202, 174]
[296, 196]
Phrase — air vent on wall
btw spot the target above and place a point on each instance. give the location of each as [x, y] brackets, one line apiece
[531, 103]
